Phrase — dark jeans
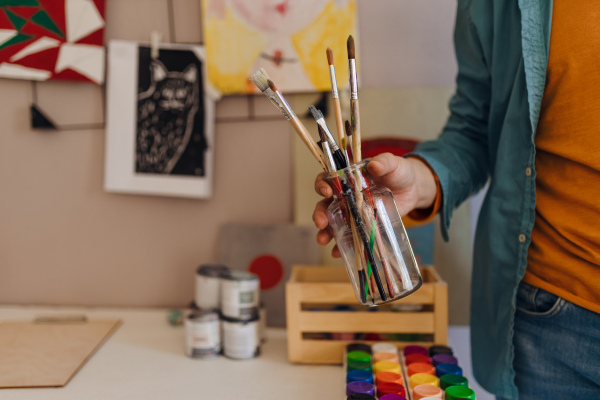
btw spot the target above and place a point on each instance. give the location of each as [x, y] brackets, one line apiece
[557, 348]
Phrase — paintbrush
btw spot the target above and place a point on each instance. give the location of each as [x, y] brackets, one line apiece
[335, 95]
[262, 81]
[337, 187]
[338, 156]
[354, 112]
[362, 233]
[329, 160]
[349, 136]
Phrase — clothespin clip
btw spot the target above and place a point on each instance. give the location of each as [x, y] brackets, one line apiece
[155, 38]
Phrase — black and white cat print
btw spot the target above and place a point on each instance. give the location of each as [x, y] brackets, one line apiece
[166, 115]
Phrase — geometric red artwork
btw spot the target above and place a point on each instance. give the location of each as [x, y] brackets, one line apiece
[52, 39]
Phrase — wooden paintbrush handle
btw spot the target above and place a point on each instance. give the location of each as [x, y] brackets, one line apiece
[308, 141]
[339, 122]
[355, 126]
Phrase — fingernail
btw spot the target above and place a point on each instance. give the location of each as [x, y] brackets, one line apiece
[324, 191]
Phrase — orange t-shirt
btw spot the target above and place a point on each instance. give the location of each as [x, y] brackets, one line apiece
[564, 256]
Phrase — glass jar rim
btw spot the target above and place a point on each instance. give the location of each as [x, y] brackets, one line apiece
[350, 168]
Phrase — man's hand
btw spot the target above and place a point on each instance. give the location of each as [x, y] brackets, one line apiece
[410, 180]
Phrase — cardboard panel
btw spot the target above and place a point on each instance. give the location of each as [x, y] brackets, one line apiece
[34, 354]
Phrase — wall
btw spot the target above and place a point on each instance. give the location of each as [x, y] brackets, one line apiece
[64, 241]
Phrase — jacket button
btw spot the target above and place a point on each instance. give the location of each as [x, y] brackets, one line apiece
[528, 171]
[522, 238]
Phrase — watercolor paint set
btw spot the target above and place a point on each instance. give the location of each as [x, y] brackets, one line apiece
[380, 372]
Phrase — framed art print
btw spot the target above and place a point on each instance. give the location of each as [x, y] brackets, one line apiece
[52, 40]
[160, 121]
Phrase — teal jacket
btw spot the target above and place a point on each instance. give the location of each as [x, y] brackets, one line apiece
[502, 53]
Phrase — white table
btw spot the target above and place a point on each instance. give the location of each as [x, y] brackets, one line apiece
[145, 359]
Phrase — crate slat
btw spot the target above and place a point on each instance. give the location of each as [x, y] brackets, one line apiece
[368, 322]
[331, 351]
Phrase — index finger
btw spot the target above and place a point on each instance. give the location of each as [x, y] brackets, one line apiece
[321, 187]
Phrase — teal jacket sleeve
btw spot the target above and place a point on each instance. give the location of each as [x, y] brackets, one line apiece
[459, 156]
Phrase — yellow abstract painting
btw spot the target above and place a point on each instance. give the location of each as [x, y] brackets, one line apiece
[287, 38]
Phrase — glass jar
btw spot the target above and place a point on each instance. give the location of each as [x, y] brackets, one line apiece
[370, 235]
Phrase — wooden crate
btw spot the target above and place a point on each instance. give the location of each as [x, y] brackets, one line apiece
[310, 285]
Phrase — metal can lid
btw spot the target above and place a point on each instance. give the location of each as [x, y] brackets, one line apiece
[212, 270]
[203, 315]
[239, 276]
[251, 318]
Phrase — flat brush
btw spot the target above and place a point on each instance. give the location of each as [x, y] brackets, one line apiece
[354, 112]
[329, 161]
[340, 159]
[335, 95]
[262, 81]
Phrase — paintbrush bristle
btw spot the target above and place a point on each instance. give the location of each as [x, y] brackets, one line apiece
[260, 79]
[271, 85]
[329, 56]
[315, 113]
[347, 128]
[351, 51]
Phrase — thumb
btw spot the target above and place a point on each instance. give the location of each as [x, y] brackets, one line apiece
[383, 164]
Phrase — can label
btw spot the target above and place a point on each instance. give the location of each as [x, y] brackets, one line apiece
[239, 298]
[202, 338]
[241, 340]
[207, 292]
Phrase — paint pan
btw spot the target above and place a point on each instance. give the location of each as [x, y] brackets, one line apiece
[443, 359]
[386, 357]
[427, 391]
[453, 380]
[358, 347]
[360, 396]
[384, 347]
[459, 392]
[360, 387]
[392, 397]
[420, 368]
[382, 366]
[437, 349]
[408, 350]
[448, 369]
[359, 375]
[358, 356]
[416, 357]
[388, 377]
[390, 388]
[422, 379]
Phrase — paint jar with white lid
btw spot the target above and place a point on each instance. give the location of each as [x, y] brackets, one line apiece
[241, 338]
[240, 292]
[203, 334]
[208, 285]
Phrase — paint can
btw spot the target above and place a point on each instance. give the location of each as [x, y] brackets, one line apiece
[208, 285]
[240, 295]
[241, 338]
[203, 334]
[262, 313]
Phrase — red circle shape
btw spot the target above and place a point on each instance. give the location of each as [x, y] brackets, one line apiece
[268, 268]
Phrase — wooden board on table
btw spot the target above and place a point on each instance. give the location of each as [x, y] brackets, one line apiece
[48, 354]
